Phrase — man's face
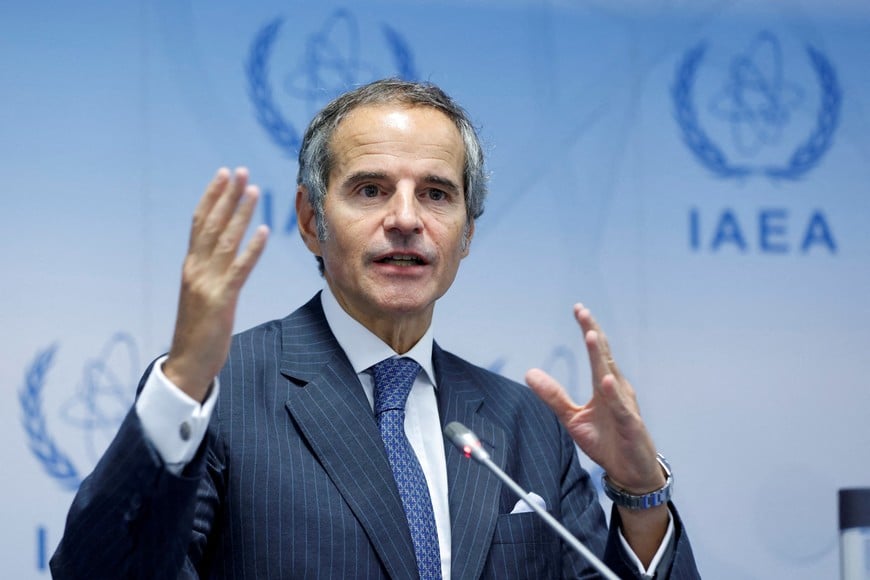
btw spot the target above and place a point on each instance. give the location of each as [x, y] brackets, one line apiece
[394, 212]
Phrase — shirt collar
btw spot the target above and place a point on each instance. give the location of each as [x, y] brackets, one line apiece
[362, 347]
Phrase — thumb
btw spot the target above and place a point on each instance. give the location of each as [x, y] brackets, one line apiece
[552, 394]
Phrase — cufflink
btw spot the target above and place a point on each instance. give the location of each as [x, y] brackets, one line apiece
[184, 431]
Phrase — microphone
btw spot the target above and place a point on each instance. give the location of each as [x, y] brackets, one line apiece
[468, 443]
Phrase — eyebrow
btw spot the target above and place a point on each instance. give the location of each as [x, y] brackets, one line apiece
[443, 182]
[364, 176]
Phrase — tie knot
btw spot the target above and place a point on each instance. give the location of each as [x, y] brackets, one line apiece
[394, 378]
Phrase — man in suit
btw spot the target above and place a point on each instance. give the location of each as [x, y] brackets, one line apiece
[291, 463]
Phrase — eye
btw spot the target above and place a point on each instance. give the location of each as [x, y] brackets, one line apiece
[436, 195]
[369, 190]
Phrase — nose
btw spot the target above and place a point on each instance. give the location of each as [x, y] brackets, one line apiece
[403, 212]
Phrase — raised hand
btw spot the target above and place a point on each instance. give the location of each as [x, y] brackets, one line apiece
[212, 277]
[610, 431]
[608, 428]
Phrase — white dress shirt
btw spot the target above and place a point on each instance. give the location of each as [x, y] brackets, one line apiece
[422, 423]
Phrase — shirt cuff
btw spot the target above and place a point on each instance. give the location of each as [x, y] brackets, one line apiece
[174, 423]
[650, 572]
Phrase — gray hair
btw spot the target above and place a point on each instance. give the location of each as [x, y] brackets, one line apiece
[316, 156]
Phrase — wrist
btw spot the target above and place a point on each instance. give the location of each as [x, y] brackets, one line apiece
[195, 389]
[641, 501]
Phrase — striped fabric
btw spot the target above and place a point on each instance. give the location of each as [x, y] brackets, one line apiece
[293, 481]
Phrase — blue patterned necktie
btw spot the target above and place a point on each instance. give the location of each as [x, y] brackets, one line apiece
[393, 380]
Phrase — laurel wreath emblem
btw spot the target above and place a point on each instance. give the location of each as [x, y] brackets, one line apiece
[40, 441]
[268, 115]
[282, 133]
[806, 156]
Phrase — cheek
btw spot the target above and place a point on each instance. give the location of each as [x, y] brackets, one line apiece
[344, 246]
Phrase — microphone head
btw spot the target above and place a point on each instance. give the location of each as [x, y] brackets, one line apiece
[465, 440]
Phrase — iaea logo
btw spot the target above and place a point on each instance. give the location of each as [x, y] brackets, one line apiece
[756, 115]
[334, 59]
[94, 411]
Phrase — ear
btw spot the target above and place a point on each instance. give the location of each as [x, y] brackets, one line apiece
[306, 220]
[469, 233]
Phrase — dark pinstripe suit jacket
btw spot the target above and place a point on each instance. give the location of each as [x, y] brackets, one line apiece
[292, 480]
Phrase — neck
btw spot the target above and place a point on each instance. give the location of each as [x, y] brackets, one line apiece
[399, 330]
[401, 334]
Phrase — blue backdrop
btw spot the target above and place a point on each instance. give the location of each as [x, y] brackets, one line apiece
[695, 172]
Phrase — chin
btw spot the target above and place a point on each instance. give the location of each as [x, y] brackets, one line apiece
[405, 302]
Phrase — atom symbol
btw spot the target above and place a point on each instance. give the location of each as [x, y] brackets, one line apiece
[756, 99]
[105, 393]
[331, 62]
[329, 65]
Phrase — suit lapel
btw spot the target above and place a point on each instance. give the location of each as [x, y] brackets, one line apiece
[473, 491]
[334, 416]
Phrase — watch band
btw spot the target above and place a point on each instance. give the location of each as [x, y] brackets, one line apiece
[642, 502]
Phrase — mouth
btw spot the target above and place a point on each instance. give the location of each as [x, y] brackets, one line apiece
[403, 260]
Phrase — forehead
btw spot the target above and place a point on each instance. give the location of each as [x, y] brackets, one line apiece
[396, 135]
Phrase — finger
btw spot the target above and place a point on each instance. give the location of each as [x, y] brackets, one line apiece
[604, 361]
[221, 212]
[607, 382]
[207, 201]
[228, 244]
[617, 398]
[553, 394]
[245, 262]
[597, 362]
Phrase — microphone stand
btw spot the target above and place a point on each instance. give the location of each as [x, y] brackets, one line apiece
[467, 442]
